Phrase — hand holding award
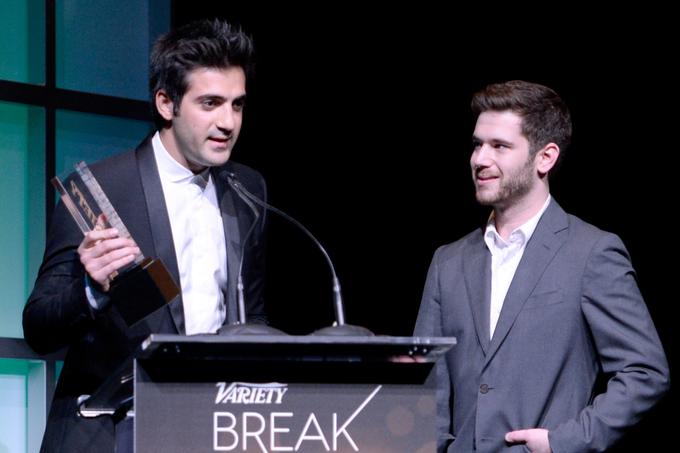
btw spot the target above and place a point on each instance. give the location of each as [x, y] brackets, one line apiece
[137, 284]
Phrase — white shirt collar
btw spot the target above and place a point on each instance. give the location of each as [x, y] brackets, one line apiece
[519, 235]
[168, 167]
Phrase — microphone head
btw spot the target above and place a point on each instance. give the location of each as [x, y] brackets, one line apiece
[249, 329]
[344, 330]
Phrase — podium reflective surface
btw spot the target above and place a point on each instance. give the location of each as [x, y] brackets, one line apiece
[273, 393]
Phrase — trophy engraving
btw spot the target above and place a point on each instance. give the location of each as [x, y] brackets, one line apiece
[141, 287]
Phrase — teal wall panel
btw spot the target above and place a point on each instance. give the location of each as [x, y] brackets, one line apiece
[22, 209]
[103, 47]
[88, 137]
[13, 409]
[22, 405]
[22, 41]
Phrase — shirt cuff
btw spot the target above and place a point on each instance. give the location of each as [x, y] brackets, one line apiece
[97, 299]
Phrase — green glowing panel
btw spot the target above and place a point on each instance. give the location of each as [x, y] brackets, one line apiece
[103, 47]
[22, 208]
[89, 137]
[22, 41]
[22, 404]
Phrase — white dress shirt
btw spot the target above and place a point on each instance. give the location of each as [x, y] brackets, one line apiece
[198, 236]
[505, 257]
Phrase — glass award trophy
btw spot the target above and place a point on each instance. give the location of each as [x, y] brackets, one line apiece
[141, 287]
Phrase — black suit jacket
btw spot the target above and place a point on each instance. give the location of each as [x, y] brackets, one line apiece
[58, 315]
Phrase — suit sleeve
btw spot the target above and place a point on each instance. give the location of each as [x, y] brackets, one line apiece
[57, 310]
[629, 349]
[429, 324]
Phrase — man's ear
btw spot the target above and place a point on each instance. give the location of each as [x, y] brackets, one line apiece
[546, 158]
[164, 105]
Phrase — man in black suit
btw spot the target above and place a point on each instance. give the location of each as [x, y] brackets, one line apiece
[172, 195]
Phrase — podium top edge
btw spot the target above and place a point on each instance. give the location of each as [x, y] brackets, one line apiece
[295, 348]
[158, 339]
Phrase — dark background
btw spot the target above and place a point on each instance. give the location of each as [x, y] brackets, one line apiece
[359, 120]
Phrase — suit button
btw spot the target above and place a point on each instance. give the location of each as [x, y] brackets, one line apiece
[483, 389]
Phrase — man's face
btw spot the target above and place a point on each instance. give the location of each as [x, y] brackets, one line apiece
[205, 128]
[502, 170]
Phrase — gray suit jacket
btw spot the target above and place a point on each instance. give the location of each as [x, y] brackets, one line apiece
[58, 315]
[573, 313]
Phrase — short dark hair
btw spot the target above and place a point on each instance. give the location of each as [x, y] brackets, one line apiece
[201, 44]
[545, 116]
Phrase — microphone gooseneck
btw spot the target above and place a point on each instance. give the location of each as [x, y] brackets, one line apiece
[241, 326]
[340, 328]
[239, 283]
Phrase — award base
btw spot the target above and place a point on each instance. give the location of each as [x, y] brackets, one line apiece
[142, 289]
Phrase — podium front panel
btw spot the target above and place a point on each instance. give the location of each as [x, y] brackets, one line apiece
[276, 416]
[296, 401]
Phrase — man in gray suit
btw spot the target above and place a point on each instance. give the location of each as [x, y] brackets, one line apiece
[542, 303]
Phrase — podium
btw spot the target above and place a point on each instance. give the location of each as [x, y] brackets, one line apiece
[274, 393]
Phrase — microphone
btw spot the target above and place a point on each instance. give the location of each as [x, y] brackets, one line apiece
[241, 326]
[339, 328]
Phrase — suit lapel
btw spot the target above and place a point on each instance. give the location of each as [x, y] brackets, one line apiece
[541, 249]
[160, 223]
[477, 272]
[233, 232]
